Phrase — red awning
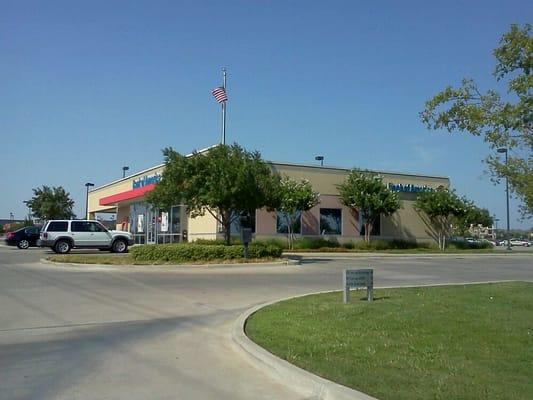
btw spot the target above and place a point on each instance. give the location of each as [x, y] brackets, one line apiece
[130, 194]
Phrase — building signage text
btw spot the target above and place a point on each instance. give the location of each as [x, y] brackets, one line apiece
[409, 188]
[146, 180]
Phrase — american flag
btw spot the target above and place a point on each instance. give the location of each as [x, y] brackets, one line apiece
[220, 94]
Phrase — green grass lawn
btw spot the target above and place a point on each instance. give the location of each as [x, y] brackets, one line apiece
[450, 342]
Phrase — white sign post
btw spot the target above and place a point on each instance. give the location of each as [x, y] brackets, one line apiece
[356, 278]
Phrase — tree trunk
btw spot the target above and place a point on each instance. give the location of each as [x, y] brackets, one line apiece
[289, 231]
[226, 225]
[368, 228]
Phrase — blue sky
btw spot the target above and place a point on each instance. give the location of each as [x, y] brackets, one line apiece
[87, 87]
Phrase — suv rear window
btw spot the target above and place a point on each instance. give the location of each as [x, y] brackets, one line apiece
[57, 226]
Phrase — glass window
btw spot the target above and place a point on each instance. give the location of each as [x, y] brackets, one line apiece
[95, 227]
[236, 224]
[330, 221]
[79, 226]
[175, 218]
[282, 222]
[57, 226]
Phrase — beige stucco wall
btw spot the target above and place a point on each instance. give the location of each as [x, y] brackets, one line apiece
[204, 227]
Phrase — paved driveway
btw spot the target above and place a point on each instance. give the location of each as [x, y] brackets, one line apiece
[164, 332]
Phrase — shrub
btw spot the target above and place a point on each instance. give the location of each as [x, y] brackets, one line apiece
[315, 243]
[464, 245]
[185, 252]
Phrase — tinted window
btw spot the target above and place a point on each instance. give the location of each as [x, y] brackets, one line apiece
[330, 221]
[95, 227]
[79, 226]
[32, 230]
[57, 226]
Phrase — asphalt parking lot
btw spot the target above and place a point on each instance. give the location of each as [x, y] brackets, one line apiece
[162, 332]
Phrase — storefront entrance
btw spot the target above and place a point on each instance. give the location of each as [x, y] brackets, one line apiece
[154, 225]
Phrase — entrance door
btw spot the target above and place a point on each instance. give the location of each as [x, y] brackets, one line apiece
[151, 226]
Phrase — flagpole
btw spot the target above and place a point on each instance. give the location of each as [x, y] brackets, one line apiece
[224, 108]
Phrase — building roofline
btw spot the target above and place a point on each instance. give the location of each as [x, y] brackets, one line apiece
[350, 169]
[144, 171]
[274, 163]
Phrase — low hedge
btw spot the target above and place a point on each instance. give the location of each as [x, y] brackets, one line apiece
[187, 252]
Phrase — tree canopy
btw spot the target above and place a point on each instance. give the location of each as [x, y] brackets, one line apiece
[439, 208]
[473, 215]
[224, 181]
[504, 121]
[294, 197]
[366, 193]
[51, 203]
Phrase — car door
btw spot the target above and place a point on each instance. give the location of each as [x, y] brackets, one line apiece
[33, 234]
[100, 237]
[80, 233]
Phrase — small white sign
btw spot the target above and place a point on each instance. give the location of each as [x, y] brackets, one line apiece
[164, 221]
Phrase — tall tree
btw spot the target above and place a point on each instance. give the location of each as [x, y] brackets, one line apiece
[366, 193]
[473, 216]
[294, 198]
[224, 181]
[51, 203]
[503, 121]
[438, 209]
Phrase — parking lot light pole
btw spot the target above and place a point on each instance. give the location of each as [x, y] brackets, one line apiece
[504, 150]
[87, 185]
[124, 169]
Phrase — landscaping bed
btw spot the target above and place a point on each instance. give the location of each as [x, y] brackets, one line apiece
[178, 253]
[449, 342]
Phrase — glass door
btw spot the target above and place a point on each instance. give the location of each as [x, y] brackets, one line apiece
[151, 226]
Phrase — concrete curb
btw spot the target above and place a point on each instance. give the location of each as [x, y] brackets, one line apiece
[302, 381]
[168, 266]
[349, 255]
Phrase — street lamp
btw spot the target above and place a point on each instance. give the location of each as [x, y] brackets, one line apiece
[504, 150]
[124, 169]
[87, 185]
[321, 159]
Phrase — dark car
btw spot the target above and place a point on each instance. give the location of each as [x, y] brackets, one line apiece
[23, 237]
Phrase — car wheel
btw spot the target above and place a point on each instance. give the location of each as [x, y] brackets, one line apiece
[62, 247]
[119, 246]
[23, 244]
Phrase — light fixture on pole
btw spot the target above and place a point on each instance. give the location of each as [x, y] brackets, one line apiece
[505, 150]
[124, 169]
[87, 185]
[321, 159]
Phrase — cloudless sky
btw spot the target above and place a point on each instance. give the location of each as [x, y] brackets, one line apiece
[87, 87]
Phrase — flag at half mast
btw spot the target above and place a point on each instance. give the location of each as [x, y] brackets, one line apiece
[220, 94]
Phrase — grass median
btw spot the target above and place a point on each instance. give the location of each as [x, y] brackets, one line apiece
[451, 342]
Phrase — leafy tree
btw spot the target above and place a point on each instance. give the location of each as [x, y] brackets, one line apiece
[225, 181]
[473, 216]
[365, 192]
[503, 123]
[294, 197]
[439, 209]
[51, 203]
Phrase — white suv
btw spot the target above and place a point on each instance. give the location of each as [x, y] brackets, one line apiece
[63, 235]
